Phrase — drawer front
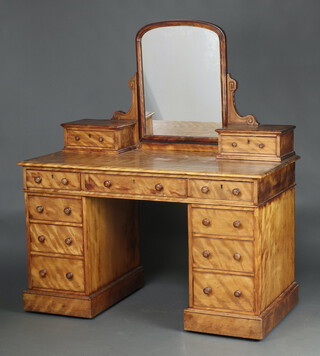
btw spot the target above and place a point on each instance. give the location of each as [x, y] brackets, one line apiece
[223, 291]
[222, 254]
[93, 139]
[248, 144]
[135, 185]
[222, 222]
[53, 180]
[56, 239]
[55, 209]
[57, 273]
[221, 190]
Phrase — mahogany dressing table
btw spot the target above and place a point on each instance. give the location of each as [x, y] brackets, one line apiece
[81, 202]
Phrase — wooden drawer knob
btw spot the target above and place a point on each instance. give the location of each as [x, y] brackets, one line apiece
[207, 290]
[237, 223]
[69, 275]
[43, 273]
[236, 191]
[205, 189]
[237, 256]
[38, 179]
[234, 144]
[41, 238]
[206, 222]
[107, 183]
[77, 138]
[64, 181]
[158, 187]
[261, 145]
[68, 241]
[67, 211]
[206, 253]
[40, 209]
[100, 139]
[237, 293]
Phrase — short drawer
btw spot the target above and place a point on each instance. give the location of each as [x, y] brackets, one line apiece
[53, 180]
[222, 291]
[115, 184]
[90, 138]
[221, 190]
[56, 239]
[57, 273]
[54, 209]
[222, 222]
[248, 144]
[222, 254]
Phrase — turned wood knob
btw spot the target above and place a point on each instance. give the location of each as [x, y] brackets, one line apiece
[107, 183]
[77, 138]
[69, 275]
[158, 187]
[237, 293]
[261, 145]
[100, 139]
[236, 191]
[205, 189]
[206, 253]
[68, 241]
[41, 238]
[237, 256]
[67, 211]
[237, 223]
[206, 222]
[43, 273]
[207, 290]
[38, 179]
[234, 144]
[40, 209]
[64, 181]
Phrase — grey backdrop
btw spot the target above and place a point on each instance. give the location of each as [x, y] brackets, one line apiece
[65, 59]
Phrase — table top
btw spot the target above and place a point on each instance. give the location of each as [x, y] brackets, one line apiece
[157, 162]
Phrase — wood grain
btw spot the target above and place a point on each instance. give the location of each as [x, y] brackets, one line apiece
[52, 180]
[223, 254]
[86, 138]
[248, 144]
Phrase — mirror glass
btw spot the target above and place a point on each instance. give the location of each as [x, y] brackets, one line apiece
[181, 72]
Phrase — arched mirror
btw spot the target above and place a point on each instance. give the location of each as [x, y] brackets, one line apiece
[181, 81]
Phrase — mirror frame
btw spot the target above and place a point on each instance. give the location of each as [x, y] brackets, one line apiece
[141, 98]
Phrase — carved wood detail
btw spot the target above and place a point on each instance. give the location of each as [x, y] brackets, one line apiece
[233, 115]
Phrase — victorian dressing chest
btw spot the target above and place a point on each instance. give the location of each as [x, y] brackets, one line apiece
[181, 141]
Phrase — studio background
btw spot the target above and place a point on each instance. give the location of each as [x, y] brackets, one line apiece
[64, 60]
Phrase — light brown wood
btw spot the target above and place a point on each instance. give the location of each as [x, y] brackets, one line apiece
[56, 239]
[240, 325]
[56, 270]
[82, 138]
[223, 291]
[277, 247]
[248, 144]
[135, 185]
[54, 208]
[112, 240]
[52, 180]
[223, 254]
[221, 222]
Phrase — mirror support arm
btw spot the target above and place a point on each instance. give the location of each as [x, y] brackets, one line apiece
[233, 116]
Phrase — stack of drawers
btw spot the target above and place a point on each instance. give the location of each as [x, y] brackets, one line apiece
[55, 233]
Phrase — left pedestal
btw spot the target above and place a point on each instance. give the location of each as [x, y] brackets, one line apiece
[83, 253]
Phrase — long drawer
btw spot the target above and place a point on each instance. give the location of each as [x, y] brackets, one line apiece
[222, 222]
[56, 239]
[57, 273]
[222, 254]
[52, 180]
[150, 186]
[55, 209]
[220, 291]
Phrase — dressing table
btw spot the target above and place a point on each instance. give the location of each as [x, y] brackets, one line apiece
[181, 141]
